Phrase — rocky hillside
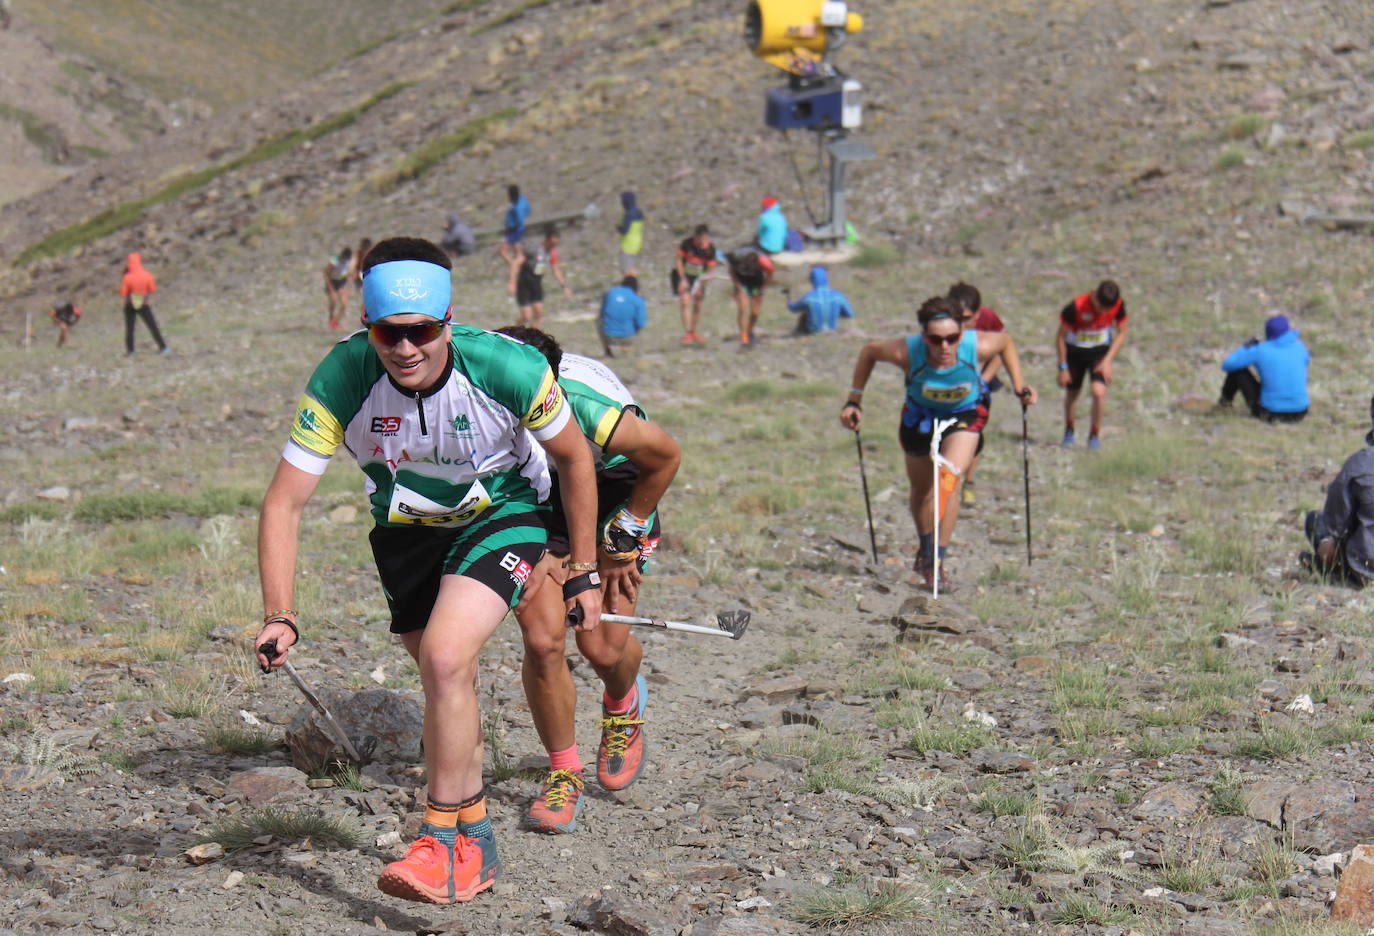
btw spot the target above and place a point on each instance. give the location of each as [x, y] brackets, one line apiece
[1049, 132]
[1160, 726]
[82, 82]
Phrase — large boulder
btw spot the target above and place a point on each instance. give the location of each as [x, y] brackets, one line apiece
[383, 724]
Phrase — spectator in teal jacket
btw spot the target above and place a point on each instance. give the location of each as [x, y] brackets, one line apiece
[772, 235]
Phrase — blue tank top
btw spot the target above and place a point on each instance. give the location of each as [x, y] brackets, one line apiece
[949, 390]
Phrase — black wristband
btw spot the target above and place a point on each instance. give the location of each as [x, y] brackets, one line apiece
[848, 404]
[580, 583]
[287, 621]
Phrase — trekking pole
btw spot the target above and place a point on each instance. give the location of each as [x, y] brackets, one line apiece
[269, 650]
[868, 505]
[730, 624]
[937, 461]
[1025, 475]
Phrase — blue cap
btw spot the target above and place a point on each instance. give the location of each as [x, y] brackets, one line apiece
[1275, 326]
[406, 287]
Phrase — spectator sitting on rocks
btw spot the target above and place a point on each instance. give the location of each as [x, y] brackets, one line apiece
[822, 308]
[1279, 393]
[1342, 533]
[623, 315]
[459, 238]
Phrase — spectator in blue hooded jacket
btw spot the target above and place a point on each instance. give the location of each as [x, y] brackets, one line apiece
[513, 225]
[822, 308]
[772, 234]
[623, 315]
[1278, 392]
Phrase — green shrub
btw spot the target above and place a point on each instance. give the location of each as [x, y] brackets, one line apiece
[874, 254]
[1246, 126]
[242, 831]
[1230, 158]
[1364, 139]
[40, 510]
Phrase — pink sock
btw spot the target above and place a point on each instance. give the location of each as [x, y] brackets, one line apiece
[565, 759]
[618, 705]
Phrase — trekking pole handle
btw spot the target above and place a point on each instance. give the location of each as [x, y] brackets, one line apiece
[269, 650]
[576, 615]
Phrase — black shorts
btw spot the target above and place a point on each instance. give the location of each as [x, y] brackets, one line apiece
[675, 281]
[613, 486]
[752, 285]
[500, 553]
[915, 434]
[1081, 362]
[66, 318]
[529, 290]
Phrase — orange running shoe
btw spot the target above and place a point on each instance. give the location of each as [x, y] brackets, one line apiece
[432, 872]
[555, 810]
[620, 757]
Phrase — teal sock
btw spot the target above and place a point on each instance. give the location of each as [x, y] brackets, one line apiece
[942, 552]
[479, 829]
[927, 541]
[448, 835]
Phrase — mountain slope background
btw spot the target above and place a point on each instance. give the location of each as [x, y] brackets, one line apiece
[1144, 676]
[83, 80]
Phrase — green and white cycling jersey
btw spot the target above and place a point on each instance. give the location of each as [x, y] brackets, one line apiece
[598, 400]
[462, 451]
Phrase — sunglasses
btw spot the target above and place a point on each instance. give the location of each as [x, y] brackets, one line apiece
[392, 335]
[938, 340]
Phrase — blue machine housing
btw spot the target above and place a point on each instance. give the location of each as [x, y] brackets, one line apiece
[805, 108]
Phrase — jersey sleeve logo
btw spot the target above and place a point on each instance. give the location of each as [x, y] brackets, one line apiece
[315, 428]
[550, 403]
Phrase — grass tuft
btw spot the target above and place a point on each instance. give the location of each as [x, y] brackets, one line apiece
[1230, 158]
[1086, 910]
[856, 903]
[238, 739]
[283, 824]
[874, 254]
[1246, 126]
[1363, 139]
[950, 737]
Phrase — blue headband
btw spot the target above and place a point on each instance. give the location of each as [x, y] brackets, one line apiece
[406, 287]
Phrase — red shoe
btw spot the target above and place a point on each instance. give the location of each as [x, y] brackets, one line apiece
[556, 808]
[432, 872]
[620, 757]
[689, 338]
[698, 339]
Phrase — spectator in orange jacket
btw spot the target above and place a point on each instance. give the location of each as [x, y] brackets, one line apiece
[138, 284]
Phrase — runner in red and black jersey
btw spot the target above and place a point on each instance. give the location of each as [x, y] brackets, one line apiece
[696, 255]
[977, 317]
[1092, 329]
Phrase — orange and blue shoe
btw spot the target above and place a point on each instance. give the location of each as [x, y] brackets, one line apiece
[620, 757]
[556, 808]
[433, 872]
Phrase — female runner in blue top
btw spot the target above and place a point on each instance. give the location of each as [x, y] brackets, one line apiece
[944, 382]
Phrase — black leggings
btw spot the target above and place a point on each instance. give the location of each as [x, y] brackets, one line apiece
[145, 313]
[1245, 382]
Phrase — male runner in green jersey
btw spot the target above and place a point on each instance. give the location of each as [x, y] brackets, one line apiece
[636, 462]
[450, 424]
